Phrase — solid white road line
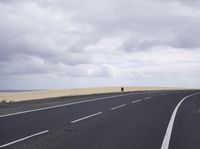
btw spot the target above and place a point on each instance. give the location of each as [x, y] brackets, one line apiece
[73, 103]
[166, 140]
[118, 107]
[80, 119]
[25, 138]
[136, 101]
[147, 98]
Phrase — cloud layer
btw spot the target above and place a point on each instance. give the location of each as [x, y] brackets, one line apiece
[74, 43]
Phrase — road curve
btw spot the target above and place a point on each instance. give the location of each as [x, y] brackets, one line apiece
[109, 121]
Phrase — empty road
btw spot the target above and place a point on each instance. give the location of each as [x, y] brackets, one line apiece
[133, 120]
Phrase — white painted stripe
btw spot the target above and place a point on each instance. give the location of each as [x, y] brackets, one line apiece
[147, 98]
[22, 139]
[118, 107]
[136, 101]
[80, 119]
[67, 104]
[166, 140]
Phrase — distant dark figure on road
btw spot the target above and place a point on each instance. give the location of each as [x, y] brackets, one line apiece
[122, 89]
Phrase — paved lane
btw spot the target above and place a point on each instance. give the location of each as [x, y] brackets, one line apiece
[20, 125]
[186, 130]
[128, 121]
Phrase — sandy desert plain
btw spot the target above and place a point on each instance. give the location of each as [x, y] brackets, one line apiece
[42, 94]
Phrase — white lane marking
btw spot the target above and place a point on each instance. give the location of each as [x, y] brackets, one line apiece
[118, 107]
[25, 138]
[67, 104]
[136, 101]
[147, 98]
[166, 140]
[80, 119]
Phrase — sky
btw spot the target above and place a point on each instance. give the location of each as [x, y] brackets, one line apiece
[56, 44]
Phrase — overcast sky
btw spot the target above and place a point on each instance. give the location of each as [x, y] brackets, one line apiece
[82, 43]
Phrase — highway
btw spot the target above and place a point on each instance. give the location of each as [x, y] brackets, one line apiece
[132, 120]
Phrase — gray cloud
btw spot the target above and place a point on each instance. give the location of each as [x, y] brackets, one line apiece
[194, 3]
[86, 40]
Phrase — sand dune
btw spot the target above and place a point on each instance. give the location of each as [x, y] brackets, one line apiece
[21, 96]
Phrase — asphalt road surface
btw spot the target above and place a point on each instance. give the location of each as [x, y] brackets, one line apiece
[134, 120]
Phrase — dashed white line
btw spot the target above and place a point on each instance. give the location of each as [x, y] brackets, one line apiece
[147, 98]
[118, 107]
[80, 119]
[166, 140]
[136, 101]
[67, 104]
[22, 139]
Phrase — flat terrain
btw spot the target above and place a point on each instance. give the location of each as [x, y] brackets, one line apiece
[130, 120]
[41, 94]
